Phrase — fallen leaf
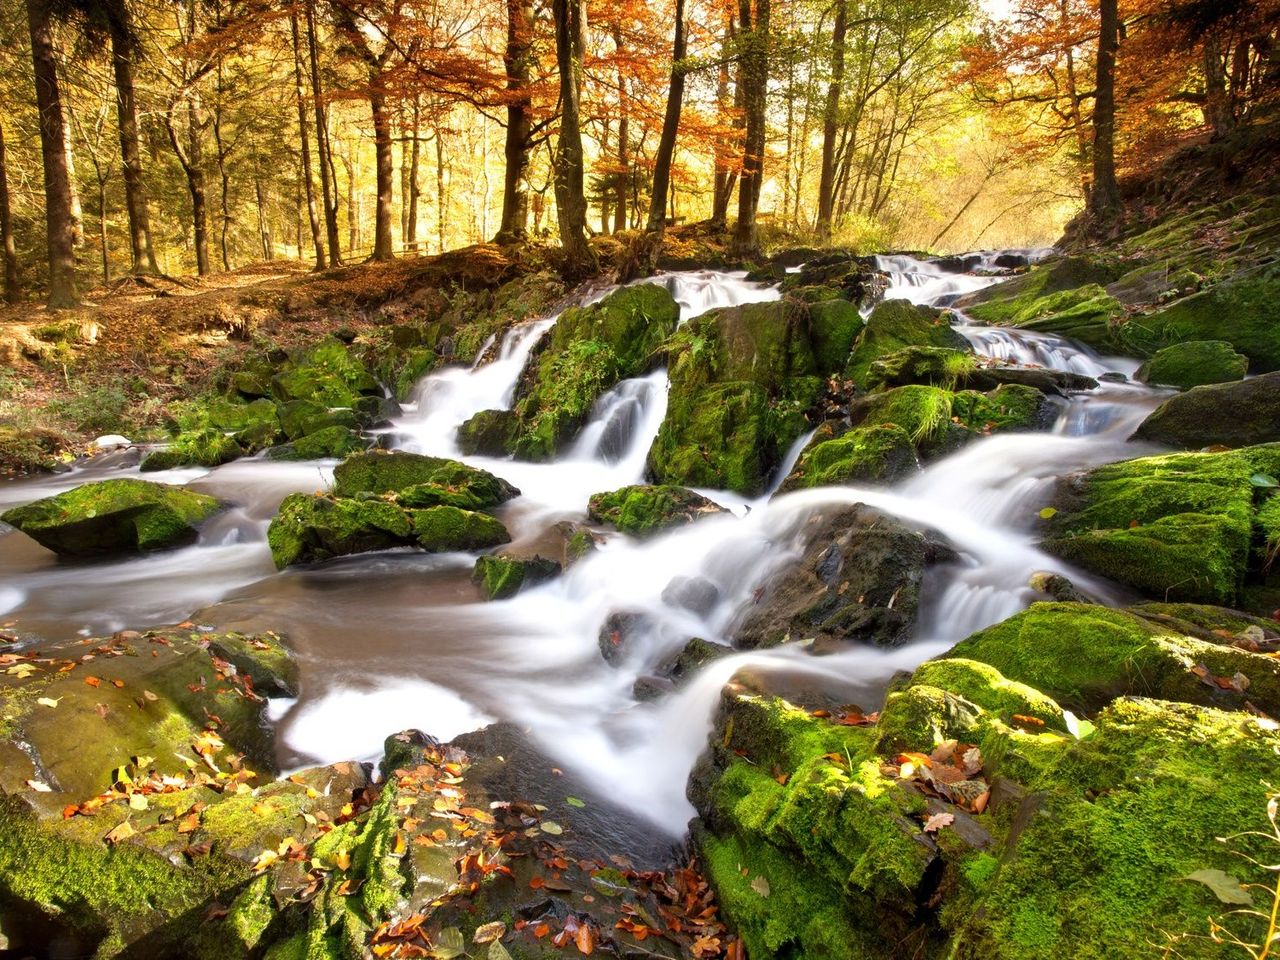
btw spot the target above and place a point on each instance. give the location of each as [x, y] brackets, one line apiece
[39, 786]
[489, 932]
[48, 702]
[585, 940]
[574, 802]
[761, 886]
[1224, 886]
[551, 827]
[937, 821]
[449, 944]
[120, 832]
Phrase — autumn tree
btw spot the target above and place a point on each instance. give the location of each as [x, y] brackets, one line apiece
[570, 177]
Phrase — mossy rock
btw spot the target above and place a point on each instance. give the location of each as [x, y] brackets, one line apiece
[894, 325]
[114, 517]
[934, 366]
[588, 351]
[643, 509]
[1031, 295]
[414, 476]
[444, 529]
[715, 437]
[32, 450]
[1195, 419]
[882, 453]
[1193, 364]
[209, 447]
[1178, 527]
[301, 417]
[490, 433]
[326, 373]
[1085, 655]
[311, 528]
[328, 443]
[500, 577]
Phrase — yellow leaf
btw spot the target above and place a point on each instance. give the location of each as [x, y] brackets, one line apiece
[39, 786]
[119, 832]
[138, 801]
[48, 702]
[343, 860]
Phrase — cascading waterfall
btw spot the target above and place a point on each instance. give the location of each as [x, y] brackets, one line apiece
[394, 640]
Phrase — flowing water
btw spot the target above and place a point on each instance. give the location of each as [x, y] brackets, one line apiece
[399, 639]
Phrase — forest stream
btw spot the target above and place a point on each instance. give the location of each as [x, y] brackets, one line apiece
[396, 639]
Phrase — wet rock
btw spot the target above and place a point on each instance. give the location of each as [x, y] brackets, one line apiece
[1056, 383]
[854, 279]
[114, 517]
[894, 325]
[328, 443]
[1056, 587]
[1177, 527]
[1195, 419]
[500, 577]
[1012, 261]
[693, 656]
[489, 433]
[695, 594]
[644, 509]
[588, 351]
[1194, 364]
[420, 481]
[858, 580]
[863, 455]
[326, 373]
[1085, 655]
[618, 631]
[649, 688]
[935, 366]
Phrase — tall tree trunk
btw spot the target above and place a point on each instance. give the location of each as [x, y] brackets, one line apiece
[304, 141]
[12, 293]
[142, 253]
[102, 230]
[724, 178]
[264, 228]
[1104, 197]
[754, 79]
[571, 201]
[624, 159]
[415, 154]
[324, 149]
[59, 222]
[830, 124]
[670, 126]
[383, 248]
[515, 183]
[442, 196]
[1218, 113]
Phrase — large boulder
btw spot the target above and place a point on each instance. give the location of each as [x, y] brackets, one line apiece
[1231, 414]
[326, 373]
[588, 351]
[419, 481]
[858, 580]
[823, 832]
[880, 453]
[1193, 364]
[315, 527]
[500, 577]
[114, 517]
[1177, 527]
[894, 325]
[645, 509]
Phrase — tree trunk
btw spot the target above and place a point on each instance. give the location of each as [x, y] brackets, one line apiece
[415, 153]
[670, 126]
[442, 197]
[1217, 97]
[324, 150]
[1104, 197]
[830, 118]
[264, 228]
[515, 184]
[142, 253]
[224, 181]
[383, 247]
[304, 140]
[571, 201]
[624, 159]
[724, 179]
[12, 294]
[59, 222]
[102, 231]
[754, 80]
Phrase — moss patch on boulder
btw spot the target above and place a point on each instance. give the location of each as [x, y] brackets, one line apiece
[420, 481]
[1179, 527]
[644, 509]
[499, 577]
[1195, 419]
[1193, 364]
[897, 324]
[114, 517]
[882, 453]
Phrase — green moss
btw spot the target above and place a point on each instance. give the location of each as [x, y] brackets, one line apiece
[202, 448]
[894, 325]
[984, 685]
[570, 382]
[324, 444]
[1010, 406]
[645, 509]
[923, 412]
[419, 480]
[934, 366]
[1178, 526]
[327, 373]
[1193, 419]
[501, 577]
[114, 516]
[441, 529]
[310, 528]
[1194, 363]
[1032, 294]
[1084, 656]
[1243, 310]
[715, 437]
[834, 325]
[301, 417]
[871, 454]
[489, 433]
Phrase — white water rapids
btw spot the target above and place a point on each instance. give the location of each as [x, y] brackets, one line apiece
[397, 639]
